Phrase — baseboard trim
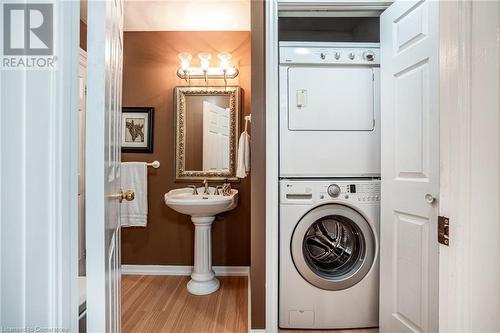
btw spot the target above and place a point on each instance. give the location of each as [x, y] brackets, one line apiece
[257, 331]
[181, 270]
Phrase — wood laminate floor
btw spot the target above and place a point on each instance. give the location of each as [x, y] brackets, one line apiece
[162, 304]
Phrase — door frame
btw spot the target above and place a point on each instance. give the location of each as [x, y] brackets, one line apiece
[470, 160]
[272, 165]
[456, 169]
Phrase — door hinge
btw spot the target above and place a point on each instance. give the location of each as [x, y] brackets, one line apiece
[444, 230]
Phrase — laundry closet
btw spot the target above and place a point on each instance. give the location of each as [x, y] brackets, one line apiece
[355, 123]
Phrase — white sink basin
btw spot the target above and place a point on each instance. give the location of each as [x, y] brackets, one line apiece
[202, 208]
[184, 201]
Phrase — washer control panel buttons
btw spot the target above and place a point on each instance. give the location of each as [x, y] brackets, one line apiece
[369, 55]
[330, 53]
[334, 190]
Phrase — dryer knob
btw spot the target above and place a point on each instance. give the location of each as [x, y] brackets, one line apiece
[334, 190]
[369, 55]
[352, 55]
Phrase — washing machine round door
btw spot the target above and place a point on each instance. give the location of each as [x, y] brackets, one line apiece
[333, 247]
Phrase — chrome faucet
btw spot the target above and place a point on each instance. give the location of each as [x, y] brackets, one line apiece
[195, 190]
[205, 184]
[218, 190]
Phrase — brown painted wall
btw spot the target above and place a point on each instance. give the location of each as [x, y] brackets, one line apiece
[149, 77]
[83, 35]
[258, 225]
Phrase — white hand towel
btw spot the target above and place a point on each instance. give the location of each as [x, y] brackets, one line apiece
[134, 177]
[243, 162]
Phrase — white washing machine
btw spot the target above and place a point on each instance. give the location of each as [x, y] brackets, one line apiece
[329, 266]
[329, 110]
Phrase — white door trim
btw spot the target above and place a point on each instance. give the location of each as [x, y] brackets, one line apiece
[470, 159]
[455, 107]
[272, 153]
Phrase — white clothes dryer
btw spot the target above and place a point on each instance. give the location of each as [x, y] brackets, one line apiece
[329, 265]
[329, 110]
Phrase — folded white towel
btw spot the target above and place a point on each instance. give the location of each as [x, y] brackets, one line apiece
[243, 162]
[134, 177]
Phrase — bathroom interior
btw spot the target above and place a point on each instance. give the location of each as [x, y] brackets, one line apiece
[165, 91]
[193, 242]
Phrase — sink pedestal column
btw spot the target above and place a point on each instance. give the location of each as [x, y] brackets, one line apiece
[203, 281]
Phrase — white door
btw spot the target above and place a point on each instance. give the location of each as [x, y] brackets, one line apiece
[410, 167]
[215, 137]
[105, 45]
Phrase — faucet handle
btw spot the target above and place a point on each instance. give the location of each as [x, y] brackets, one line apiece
[205, 184]
[195, 190]
[218, 189]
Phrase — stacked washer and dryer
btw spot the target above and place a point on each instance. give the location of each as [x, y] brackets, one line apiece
[329, 185]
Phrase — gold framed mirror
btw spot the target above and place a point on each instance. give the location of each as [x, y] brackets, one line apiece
[207, 128]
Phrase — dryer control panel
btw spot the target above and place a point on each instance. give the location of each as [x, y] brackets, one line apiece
[310, 192]
[330, 53]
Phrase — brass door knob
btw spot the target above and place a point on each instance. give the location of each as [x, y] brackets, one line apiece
[128, 195]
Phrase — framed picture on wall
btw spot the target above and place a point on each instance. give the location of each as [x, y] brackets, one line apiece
[137, 129]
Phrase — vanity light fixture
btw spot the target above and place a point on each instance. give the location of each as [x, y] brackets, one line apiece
[224, 71]
[185, 59]
[205, 60]
[205, 63]
[224, 60]
[225, 63]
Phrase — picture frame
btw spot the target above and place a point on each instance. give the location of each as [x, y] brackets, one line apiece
[137, 129]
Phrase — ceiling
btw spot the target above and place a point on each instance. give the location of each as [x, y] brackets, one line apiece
[187, 15]
[183, 15]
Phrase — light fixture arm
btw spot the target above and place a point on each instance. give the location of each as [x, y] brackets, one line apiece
[215, 73]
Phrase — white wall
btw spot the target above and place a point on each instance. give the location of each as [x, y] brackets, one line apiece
[187, 15]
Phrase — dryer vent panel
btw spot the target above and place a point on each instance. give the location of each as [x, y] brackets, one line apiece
[329, 29]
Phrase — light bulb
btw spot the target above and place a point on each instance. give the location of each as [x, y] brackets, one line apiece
[205, 60]
[225, 60]
[185, 59]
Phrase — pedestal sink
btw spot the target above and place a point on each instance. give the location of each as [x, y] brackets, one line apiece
[202, 208]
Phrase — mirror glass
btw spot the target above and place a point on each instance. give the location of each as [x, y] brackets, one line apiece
[207, 125]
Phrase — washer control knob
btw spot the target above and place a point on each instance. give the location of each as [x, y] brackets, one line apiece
[369, 55]
[352, 55]
[334, 190]
[322, 55]
[337, 55]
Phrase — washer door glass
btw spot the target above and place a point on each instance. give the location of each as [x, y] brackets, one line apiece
[333, 247]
